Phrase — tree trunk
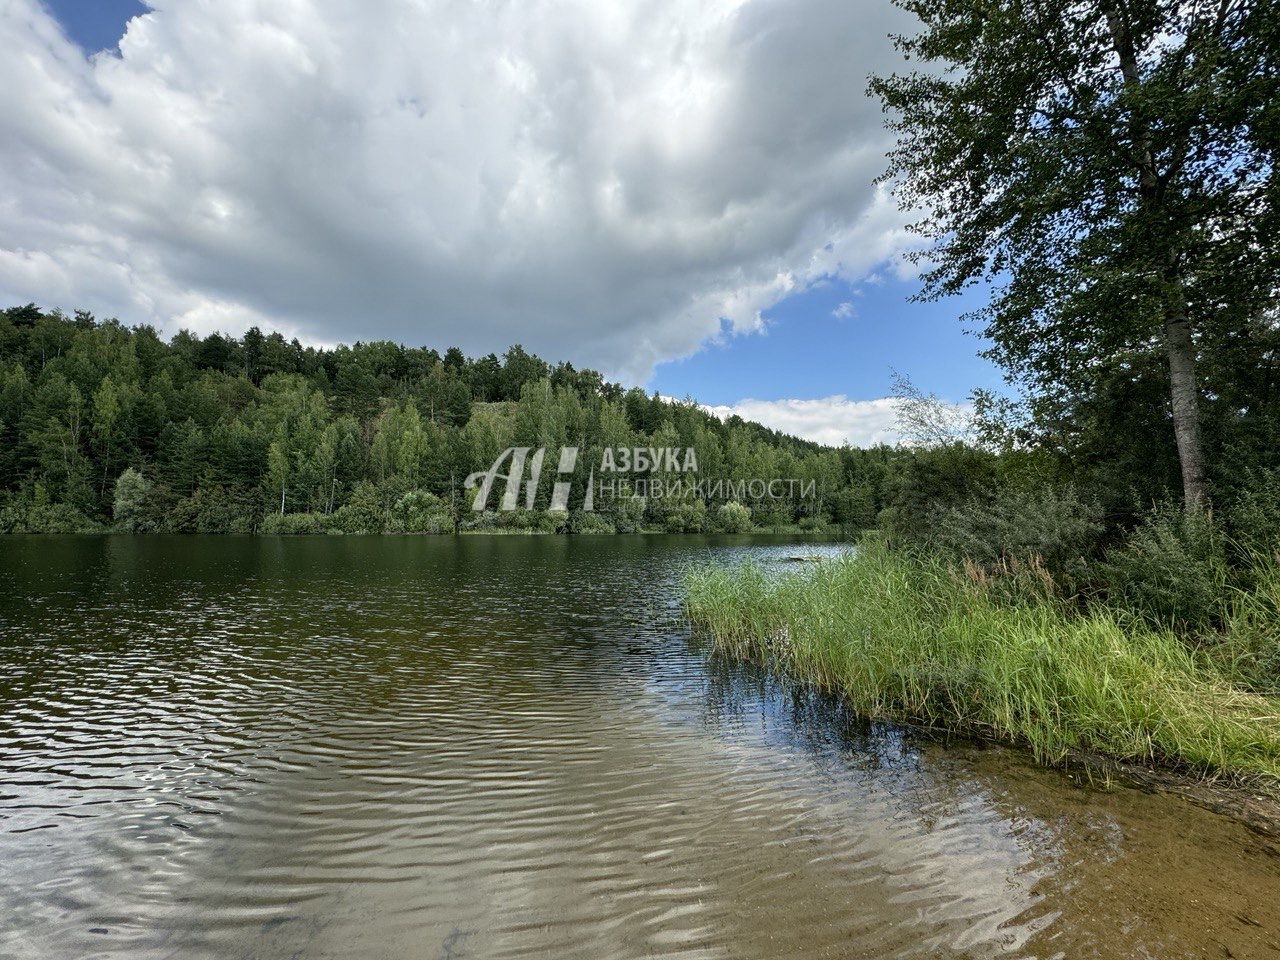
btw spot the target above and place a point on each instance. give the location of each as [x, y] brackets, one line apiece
[1184, 392]
[1184, 388]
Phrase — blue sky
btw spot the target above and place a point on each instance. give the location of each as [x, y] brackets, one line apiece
[840, 339]
[727, 176]
[95, 24]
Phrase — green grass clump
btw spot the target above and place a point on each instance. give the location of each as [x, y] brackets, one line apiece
[911, 639]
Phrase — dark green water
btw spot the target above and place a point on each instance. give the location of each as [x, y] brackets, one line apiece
[499, 747]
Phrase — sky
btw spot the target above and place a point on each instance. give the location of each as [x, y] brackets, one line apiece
[680, 194]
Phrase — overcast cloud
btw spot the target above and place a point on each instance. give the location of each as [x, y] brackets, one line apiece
[601, 181]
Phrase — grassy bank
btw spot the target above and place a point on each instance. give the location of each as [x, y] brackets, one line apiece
[914, 640]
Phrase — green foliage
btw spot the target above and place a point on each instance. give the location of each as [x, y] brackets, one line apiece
[1108, 167]
[934, 478]
[590, 523]
[533, 521]
[1172, 570]
[296, 523]
[230, 432]
[628, 515]
[420, 511]
[769, 514]
[1055, 527]
[685, 518]
[854, 508]
[733, 517]
[1253, 516]
[215, 510]
[906, 638]
[362, 513]
[132, 491]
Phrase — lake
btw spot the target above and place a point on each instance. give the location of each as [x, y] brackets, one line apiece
[513, 747]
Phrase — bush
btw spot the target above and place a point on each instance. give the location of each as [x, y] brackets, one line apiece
[582, 522]
[362, 513]
[813, 523]
[532, 521]
[628, 514]
[685, 518]
[291, 524]
[132, 491]
[33, 512]
[59, 518]
[480, 520]
[934, 479]
[218, 511]
[1055, 527]
[733, 517]
[854, 508]
[770, 514]
[419, 511]
[1253, 517]
[1172, 570]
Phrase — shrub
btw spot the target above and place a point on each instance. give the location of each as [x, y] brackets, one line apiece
[685, 518]
[1055, 527]
[12, 512]
[548, 521]
[362, 513]
[419, 511]
[34, 512]
[930, 480]
[628, 514]
[484, 520]
[854, 507]
[1253, 517]
[58, 518]
[582, 522]
[132, 490]
[291, 524]
[217, 511]
[733, 517]
[770, 515]
[1172, 570]
[532, 521]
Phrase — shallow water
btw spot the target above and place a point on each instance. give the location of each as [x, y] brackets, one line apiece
[512, 746]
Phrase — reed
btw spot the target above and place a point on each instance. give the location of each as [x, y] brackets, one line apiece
[914, 639]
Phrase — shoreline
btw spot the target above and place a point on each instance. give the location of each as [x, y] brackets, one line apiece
[834, 535]
[907, 641]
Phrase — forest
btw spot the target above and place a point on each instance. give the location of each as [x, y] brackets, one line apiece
[108, 427]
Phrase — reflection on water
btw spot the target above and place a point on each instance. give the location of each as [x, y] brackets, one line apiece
[419, 747]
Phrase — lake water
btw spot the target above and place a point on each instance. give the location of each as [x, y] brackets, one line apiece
[513, 747]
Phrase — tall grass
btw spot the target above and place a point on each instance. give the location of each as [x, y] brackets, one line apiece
[912, 639]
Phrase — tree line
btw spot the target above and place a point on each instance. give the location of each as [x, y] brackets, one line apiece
[108, 426]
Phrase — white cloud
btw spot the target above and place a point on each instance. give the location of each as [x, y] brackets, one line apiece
[832, 420]
[844, 311]
[602, 181]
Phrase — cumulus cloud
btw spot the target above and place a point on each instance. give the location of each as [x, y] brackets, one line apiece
[607, 182]
[844, 311]
[833, 421]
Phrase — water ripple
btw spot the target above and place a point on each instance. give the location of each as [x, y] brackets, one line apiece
[508, 747]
